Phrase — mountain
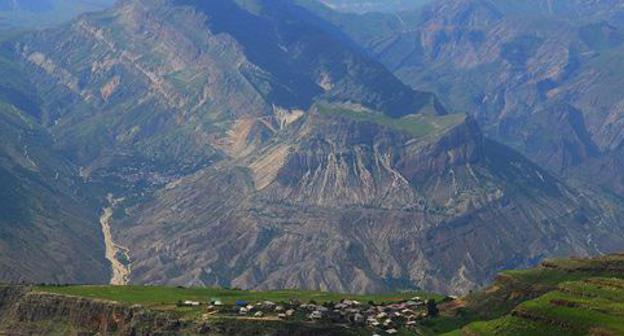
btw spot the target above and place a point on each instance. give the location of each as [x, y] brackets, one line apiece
[374, 203]
[134, 120]
[47, 233]
[169, 91]
[536, 75]
[253, 144]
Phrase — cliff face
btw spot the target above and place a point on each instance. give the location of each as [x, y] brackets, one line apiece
[24, 311]
[346, 200]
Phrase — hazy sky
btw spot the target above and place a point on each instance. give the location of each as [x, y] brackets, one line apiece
[40, 13]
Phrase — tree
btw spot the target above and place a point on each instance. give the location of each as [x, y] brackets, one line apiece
[432, 308]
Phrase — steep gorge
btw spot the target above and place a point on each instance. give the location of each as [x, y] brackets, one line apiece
[275, 154]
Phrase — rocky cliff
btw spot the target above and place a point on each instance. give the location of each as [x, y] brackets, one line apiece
[348, 200]
[25, 311]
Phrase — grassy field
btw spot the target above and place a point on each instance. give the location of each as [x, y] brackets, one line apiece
[561, 297]
[165, 297]
[571, 297]
[417, 125]
[590, 307]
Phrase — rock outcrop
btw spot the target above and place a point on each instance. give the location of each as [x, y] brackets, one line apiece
[25, 311]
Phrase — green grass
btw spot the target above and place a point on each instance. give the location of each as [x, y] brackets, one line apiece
[449, 325]
[595, 288]
[510, 325]
[564, 270]
[417, 125]
[155, 296]
[574, 308]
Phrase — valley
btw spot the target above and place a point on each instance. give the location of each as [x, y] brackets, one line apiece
[280, 148]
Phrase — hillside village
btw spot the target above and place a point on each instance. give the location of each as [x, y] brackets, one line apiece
[380, 319]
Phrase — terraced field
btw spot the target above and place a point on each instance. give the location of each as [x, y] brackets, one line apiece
[593, 306]
[561, 297]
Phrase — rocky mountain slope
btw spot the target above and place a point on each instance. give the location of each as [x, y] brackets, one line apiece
[276, 153]
[134, 120]
[349, 201]
[47, 233]
[169, 82]
[47, 227]
[537, 75]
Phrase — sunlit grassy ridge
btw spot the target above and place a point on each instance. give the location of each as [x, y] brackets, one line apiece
[155, 295]
[561, 297]
[589, 307]
[417, 125]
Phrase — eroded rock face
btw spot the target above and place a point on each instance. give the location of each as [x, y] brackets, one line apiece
[24, 311]
[354, 206]
[170, 79]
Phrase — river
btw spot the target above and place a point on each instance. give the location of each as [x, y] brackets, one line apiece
[120, 271]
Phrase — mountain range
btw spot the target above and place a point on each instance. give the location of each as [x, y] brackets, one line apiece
[270, 144]
[536, 75]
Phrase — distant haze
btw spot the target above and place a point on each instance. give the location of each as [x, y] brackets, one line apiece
[27, 14]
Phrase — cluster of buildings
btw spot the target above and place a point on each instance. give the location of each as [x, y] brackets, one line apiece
[385, 319]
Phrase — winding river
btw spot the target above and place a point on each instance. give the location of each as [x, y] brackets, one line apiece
[120, 270]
